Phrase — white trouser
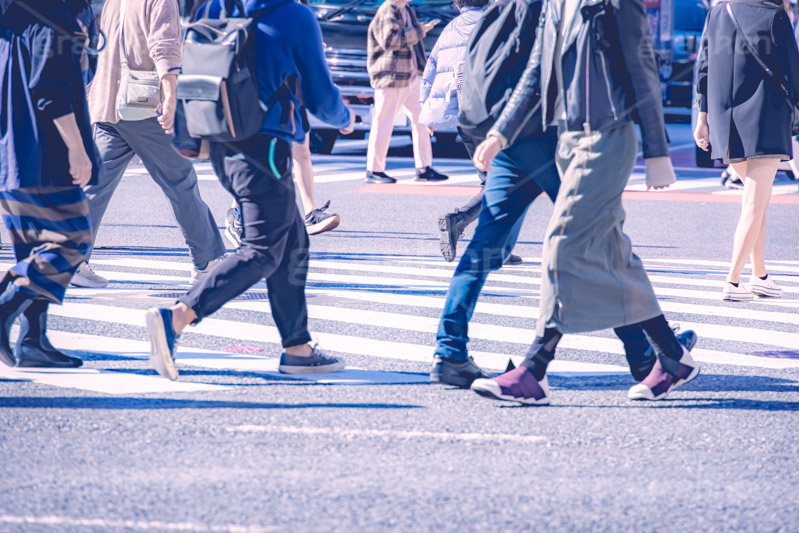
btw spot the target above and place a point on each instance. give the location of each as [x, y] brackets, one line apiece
[387, 103]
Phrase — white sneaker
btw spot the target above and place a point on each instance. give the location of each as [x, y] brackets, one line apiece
[736, 294]
[764, 287]
[198, 275]
[88, 278]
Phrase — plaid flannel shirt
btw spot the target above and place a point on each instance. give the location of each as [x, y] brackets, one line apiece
[391, 47]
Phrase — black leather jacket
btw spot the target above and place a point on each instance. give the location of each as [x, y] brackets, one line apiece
[609, 71]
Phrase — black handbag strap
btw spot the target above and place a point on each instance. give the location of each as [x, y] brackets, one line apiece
[752, 50]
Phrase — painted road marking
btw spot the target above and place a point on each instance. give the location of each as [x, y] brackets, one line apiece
[416, 352]
[382, 434]
[104, 524]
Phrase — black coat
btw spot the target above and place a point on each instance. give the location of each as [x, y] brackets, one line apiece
[748, 114]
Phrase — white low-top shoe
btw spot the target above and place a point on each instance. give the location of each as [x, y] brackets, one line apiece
[736, 294]
[764, 287]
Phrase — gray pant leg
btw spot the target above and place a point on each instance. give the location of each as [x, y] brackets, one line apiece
[116, 155]
[177, 178]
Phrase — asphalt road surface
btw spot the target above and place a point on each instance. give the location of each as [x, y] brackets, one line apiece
[233, 446]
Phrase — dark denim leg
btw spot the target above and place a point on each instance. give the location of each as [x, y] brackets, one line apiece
[510, 189]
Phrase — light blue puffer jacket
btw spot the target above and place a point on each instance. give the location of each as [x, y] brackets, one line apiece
[439, 95]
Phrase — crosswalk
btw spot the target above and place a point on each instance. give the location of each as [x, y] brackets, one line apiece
[386, 308]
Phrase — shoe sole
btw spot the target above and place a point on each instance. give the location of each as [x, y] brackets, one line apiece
[232, 238]
[431, 179]
[85, 283]
[324, 369]
[738, 298]
[461, 383]
[492, 392]
[768, 293]
[326, 225]
[158, 347]
[448, 246]
[379, 182]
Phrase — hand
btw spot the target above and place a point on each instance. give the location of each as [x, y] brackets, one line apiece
[80, 166]
[349, 129]
[702, 132]
[427, 26]
[431, 131]
[659, 173]
[166, 113]
[486, 152]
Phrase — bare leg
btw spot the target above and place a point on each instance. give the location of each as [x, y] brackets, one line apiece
[303, 174]
[758, 256]
[758, 179]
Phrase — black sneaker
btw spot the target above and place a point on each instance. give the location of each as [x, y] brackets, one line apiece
[731, 183]
[451, 228]
[319, 221]
[456, 372]
[513, 259]
[317, 363]
[378, 177]
[430, 174]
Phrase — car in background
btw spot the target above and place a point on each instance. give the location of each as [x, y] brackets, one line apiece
[689, 21]
[344, 31]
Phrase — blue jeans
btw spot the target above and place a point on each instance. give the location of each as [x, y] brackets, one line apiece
[517, 176]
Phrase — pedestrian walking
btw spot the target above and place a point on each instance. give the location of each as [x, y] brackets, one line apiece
[144, 43]
[395, 61]
[317, 219]
[517, 175]
[47, 156]
[441, 83]
[591, 279]
[274, 243]
[748, 89]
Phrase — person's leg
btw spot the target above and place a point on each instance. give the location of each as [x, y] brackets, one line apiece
[177, 178]
[115, 155]
[386, 103]
[51, 232]
[514, 181]
[422, 146]
[758, 256]
[303, 174]
[758, 177]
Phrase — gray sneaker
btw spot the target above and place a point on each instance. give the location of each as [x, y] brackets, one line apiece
[88, 278]
[317, 363]
[198, 275]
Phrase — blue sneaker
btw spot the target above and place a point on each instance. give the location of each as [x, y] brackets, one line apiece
[163, 342]
[317, 363]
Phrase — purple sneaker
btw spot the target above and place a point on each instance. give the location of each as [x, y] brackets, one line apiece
[518, 385]
[659, 383]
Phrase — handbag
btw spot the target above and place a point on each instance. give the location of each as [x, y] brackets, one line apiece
[753, 51]
[139, 90]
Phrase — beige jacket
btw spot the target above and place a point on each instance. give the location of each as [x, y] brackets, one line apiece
[395, 53]
[152, 41]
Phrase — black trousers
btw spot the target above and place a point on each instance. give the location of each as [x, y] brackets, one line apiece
[472, 208]
[274, 243]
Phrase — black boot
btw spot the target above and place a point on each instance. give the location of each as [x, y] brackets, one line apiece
[33, 346]
[451, 227]
[12, 304]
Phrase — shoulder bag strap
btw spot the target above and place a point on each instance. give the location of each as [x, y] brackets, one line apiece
[122, 31]
[758, 58]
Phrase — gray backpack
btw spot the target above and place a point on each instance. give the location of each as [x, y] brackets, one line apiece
[218, 86]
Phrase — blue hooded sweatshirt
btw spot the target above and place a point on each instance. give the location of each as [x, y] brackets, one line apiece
[289, 43]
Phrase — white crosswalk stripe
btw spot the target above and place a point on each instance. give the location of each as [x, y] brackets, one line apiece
[409, 292]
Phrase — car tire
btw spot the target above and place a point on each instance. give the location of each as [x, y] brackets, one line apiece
[703, 159]
[322, 141]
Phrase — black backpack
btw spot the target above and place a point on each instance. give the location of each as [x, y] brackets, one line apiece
[218, 85]
[496, 56]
